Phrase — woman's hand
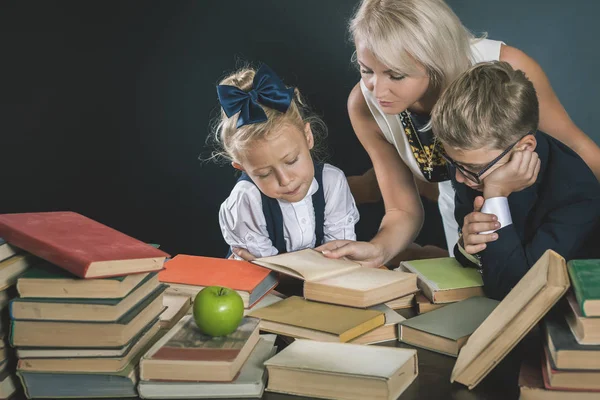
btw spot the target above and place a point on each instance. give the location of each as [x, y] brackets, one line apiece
[365, 253]
[477, 222]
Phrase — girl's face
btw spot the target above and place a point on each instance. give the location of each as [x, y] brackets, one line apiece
[281, 165]
[394, 92]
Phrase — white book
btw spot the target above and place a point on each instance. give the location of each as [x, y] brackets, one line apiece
[341, 370]
[250, 383]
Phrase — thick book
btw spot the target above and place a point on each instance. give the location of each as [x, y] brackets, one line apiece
[42, 385]
[446, 330]
[424, 305]
[340, 281]
[92, 364]
[585, 329]
[250, 382]
[177, 307]
[189, 274]
[66, 309]
[444, 280]
[13, 267]
[401, 302]
[532, 387]
[531, 298]
[186, 354]
[566, 379]
[585, 278]
[6, 250]
[301, 318]
[45, 280]
[565, 351]
[341, 371]
[88, 334]
[384, 333]
[80, 245]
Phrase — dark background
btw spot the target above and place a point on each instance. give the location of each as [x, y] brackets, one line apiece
[106, 105]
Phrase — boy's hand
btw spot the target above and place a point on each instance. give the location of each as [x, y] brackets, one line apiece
[517, 174]
[476, 222]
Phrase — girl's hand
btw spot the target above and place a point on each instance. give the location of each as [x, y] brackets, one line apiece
[365, 253]
[242, 253]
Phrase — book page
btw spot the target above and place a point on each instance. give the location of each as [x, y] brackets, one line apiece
[308, 265]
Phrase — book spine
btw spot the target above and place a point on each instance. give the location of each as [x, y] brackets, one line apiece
[577, 289]
[54, 255]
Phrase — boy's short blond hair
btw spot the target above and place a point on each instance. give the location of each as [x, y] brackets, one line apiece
[491, 105]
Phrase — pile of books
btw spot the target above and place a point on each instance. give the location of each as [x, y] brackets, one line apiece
[88, 311]
[569, 365]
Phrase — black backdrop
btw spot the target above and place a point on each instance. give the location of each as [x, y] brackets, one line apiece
[106, 105]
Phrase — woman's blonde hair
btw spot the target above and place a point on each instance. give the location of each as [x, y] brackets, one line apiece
[232, 141]
[400, 32]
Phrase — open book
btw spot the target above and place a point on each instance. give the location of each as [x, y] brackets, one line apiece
[341, 281]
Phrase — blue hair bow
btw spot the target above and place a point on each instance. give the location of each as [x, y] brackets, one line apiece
[267, 90]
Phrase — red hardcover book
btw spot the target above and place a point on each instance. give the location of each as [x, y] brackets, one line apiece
[79, 244]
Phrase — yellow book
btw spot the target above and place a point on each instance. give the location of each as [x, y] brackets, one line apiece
[300, 318]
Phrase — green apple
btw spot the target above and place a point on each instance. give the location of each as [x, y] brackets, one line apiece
[218, 310]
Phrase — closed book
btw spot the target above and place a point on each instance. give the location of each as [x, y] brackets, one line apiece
[424, 305]
[531, 298]
[42, 385]
[177, 307]
[446, 330]
[341, 371]
[66, 309]
[565, 351]
[566, 379]
[384, 333]
[13, 267]
[585, 329]
[401, 302]
[189, 274]
[301, 318]
[88, 334]
[92, 364]
[80, 245]
[444, 280]
[250, 382]
[532, 387]
[340, 281]
[45, 280]
[6, 250]
[585, 279]
[186, 354]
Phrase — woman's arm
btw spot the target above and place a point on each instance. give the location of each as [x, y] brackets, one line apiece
[554, 119]
[403, 210]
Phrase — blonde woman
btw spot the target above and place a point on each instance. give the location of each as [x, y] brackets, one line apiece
[408, 52]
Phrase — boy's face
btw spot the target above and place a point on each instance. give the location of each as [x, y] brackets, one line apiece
[281, 165]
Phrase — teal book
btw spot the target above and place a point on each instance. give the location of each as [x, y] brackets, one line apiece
[585, 278]
[446, 329]
[46, 280]
[444, 280]
[70, 309]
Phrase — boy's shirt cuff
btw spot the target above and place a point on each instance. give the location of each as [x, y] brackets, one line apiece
[499, 207]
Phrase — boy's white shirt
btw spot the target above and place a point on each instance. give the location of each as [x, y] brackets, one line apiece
[499, 207]
[243, 223]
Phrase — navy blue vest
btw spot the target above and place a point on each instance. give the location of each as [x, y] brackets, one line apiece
[274, 218]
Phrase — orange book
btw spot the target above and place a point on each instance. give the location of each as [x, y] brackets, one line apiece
[188, 275]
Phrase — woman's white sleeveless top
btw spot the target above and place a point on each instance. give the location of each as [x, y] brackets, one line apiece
[391, 127]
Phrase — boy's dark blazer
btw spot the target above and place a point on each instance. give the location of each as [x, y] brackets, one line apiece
[560, 211]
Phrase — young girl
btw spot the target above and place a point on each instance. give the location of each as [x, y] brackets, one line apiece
[283, 201]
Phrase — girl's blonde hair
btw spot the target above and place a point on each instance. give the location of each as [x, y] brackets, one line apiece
[400, 32]
[233, 141]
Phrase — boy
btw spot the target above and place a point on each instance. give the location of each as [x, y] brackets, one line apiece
[519, 192]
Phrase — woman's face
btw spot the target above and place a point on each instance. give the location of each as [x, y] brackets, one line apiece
[395, 93]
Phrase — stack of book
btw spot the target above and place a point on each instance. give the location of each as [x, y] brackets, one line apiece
[13, 263]
[185, 363]
[570, 362]
[86, 314]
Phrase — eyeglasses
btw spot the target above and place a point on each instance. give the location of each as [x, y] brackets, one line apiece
[476, 176]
